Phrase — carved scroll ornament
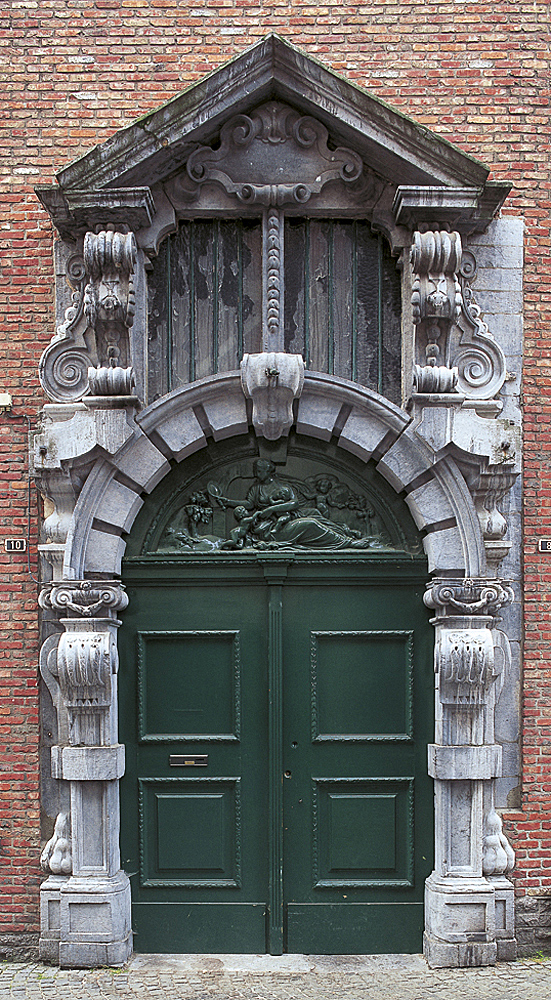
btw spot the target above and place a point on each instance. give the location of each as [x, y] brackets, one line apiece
[274, 156]
[91, 349]
[468, 597]
[84, 597]
[460, 352]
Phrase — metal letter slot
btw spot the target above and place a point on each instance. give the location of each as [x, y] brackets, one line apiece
[188, 760]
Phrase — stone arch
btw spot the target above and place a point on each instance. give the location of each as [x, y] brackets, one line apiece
[363, 422]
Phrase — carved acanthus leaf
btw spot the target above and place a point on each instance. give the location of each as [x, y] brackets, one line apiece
[56, 856]
[85, 663]
[498, 857]
[464, 659]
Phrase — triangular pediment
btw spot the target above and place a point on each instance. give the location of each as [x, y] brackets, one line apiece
[117, 177]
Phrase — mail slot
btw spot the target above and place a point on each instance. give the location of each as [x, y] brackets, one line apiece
[188, 760]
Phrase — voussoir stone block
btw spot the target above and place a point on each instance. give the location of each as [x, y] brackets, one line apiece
[182, 433]
[119, 506]
[227, 414]
[363, 433]
[317, 416]
[405, 460]
[104, 553]
[142, 462]
[429, 504]
[444, 551]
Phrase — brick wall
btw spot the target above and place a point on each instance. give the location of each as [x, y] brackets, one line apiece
[476, 73]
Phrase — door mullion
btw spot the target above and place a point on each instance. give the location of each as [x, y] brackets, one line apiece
[275, 709]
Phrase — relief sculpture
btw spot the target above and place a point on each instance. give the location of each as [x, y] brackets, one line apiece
[277, 512]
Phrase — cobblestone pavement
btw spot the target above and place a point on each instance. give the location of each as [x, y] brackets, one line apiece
[292, 977]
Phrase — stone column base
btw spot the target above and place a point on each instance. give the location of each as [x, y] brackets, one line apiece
[86, 921]
[459, 921]
[505, 918]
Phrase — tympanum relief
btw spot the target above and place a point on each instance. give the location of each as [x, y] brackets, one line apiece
[275, 511]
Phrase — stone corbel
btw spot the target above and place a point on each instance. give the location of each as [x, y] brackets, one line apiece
[454, 350]
[436, 305]
[272, 380]
[109, 305]
[90, 352]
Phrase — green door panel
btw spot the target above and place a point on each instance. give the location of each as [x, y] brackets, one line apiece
[199, 928]
[193, 837]
[307, 684]
[359, 929]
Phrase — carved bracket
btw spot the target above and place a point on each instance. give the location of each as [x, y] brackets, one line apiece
[90, 350]
[448, 321]
[436, 304]
[272, 381]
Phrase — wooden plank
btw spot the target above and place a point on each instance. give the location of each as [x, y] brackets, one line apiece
[205, 299]
[296, 269]
[252, 286]
[180, 292]
[319, 295]
[342, 298]
[157, 333]
[228, 296]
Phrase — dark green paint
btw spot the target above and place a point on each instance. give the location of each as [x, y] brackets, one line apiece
[312, 831]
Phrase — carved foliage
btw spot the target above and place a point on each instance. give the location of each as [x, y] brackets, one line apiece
[85, 663]
[498, 857]
[56, 856]
[275, 156]
[464, 659]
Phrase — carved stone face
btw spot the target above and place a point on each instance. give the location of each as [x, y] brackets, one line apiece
[263, 469]
[109, 305]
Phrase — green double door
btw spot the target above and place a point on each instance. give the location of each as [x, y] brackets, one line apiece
[276, 714]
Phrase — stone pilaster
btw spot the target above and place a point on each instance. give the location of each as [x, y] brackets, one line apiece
[85, 902]
[468, 900]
